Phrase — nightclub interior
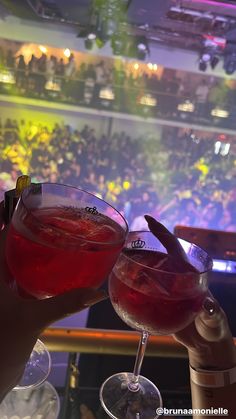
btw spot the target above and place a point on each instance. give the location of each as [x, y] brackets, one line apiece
[135, 103]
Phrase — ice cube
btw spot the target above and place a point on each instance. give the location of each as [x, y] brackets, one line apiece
[102, 233]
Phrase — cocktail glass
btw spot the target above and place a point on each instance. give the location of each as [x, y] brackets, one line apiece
[151, 298]
[60, 238]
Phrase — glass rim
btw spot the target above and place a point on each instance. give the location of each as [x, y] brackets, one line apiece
[192, 274]
[78, 237]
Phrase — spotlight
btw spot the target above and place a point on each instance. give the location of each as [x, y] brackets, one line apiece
[137, 47]
[230, 63]
[204, 60]
[142, 48]
[90, 40]
[214, 61]
[202, 65]
[88, 44]
[91, 36]
[43, 49]
[67, 52]
[206, 56]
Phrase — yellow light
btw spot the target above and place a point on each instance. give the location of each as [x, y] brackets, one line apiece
[53, 85]
[155, 67]
[67, 52]
[220, 113]
[150, 66]
[126, 185]
[187, 106]
[148, 100]
[7, 77]
[136, 66]
[106, 93]
[43, 49]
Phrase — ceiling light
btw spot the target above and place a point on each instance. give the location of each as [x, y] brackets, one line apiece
[90, 40]
[43, 49]
[137, 47]
[67, 52]
[91, 36]
[206, 57]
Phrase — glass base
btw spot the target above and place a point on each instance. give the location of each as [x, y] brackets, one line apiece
[119, 402]
[37, 368]
[38, 403]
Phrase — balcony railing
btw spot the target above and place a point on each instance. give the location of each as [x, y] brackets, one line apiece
[123, 98]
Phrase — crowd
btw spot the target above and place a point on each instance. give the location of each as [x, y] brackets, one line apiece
[210, 101]
[181, 179]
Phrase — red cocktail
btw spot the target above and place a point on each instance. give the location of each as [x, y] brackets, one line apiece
[149, 300]
[153, 294]
[62, 238]
[56, 249]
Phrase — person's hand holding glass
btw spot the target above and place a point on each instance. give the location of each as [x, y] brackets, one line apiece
[154, 292]
[60, 239]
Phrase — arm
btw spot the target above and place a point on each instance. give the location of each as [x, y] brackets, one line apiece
[211, 351]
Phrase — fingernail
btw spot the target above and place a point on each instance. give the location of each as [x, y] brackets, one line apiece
[210, 306]
[97, 298]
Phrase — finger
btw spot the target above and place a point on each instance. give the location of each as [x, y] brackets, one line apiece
[211, 323]
[1, 215]
[184, 336]
[5, 275]
[52, 309]
[171, 243]
[168, 240]
[188, 336]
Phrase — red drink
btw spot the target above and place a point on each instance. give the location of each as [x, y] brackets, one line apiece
[52, 250]
[152, 300]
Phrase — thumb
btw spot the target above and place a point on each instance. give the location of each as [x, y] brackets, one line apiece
[52, 309]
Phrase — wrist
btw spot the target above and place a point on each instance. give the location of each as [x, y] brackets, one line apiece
[198, 361]
[217, 356]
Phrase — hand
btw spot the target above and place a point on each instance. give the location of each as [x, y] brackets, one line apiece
[22, 321]
[208, 339]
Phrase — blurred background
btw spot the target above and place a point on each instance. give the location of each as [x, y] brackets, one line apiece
[133, 101]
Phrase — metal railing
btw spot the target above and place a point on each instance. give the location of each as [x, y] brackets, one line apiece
[119, 97]
[112, 342]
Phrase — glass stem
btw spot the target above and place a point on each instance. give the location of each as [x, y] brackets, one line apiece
[134, 383]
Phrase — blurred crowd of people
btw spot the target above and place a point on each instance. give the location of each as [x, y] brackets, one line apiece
[209, 101]
[180, 179]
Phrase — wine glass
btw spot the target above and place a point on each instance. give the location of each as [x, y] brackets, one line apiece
[60, 238]
[151, 297]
